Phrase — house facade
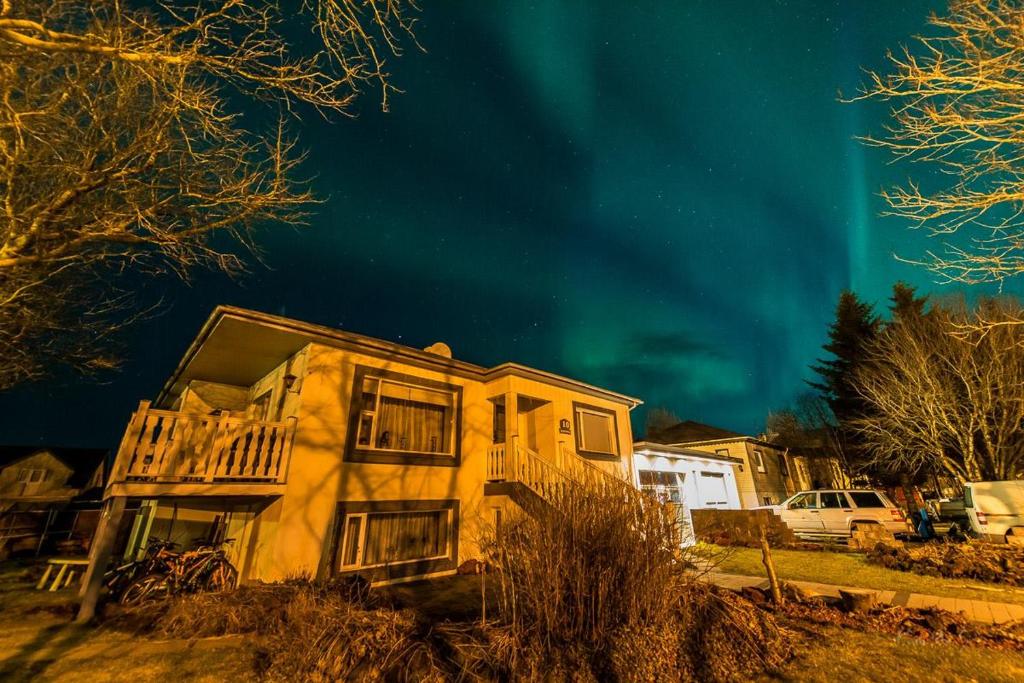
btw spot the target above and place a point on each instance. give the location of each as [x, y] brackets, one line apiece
[766, 473]
[322, 452]
[687, 478]
[40, 474]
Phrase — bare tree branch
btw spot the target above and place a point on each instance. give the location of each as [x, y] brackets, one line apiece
[119, 150]
[958, 108]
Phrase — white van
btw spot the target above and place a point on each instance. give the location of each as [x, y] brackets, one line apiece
[995, 507]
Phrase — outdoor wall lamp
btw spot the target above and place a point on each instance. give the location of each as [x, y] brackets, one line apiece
[289, 381]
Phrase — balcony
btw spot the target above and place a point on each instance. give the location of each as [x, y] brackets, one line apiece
[165, 452]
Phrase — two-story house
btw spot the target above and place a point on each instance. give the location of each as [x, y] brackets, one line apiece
[766, 473]
[322, 452]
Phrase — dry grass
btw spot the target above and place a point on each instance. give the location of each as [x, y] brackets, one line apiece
[594, 587]
[988, 562]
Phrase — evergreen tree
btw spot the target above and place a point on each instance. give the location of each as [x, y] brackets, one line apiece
[856, 325]
[905, 304]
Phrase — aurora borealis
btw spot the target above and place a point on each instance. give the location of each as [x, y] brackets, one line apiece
[661, 198]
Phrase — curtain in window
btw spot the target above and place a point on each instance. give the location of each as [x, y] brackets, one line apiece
[405, 536]
[597, 432]
[412, 426]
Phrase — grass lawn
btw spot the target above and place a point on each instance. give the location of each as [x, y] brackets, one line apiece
[826, 654]
[851, 569]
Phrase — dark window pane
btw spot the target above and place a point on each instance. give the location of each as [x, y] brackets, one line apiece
[866, 499]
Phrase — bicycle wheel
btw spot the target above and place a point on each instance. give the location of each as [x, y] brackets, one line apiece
[149, 587]
[222, 577]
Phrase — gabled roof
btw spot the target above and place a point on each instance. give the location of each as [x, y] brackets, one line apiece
[689, 431]
[81, 461]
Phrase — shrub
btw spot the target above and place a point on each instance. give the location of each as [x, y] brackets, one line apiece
[596, 584]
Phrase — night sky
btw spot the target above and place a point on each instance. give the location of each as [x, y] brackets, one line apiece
[664, 199]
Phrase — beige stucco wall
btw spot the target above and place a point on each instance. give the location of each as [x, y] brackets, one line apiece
[292, 534]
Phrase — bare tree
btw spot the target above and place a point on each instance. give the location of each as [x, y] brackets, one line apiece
[947, 402]
[958, 108]
[120, 151]
[659, 419]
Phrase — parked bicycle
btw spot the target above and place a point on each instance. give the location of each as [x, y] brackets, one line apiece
[204, 569]
[159, 553]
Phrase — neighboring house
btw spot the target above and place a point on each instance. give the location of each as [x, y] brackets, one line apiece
[323, 452]
[46, 474]
[48, 492]
[689, 478]
[824, 471]
[766, 474]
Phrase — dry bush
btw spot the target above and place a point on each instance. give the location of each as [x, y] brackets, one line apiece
[594, 587]
[975, 560]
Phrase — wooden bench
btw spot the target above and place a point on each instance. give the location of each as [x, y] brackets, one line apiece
[68, 568]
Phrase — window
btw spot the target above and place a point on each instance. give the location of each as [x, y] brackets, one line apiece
[722, 451]
[866, 499]
[769, 500]
[805, 501]
[376, 539]
[595, 431]
[783, 468]
[712, 488]
[832, 500]
[759, 461]
[662, 485]
[402, 419]
[30, 476]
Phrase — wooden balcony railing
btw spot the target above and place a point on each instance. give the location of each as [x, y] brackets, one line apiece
[517, 463]
[168, 446]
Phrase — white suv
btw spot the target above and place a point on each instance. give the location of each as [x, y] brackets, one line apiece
[839, 512]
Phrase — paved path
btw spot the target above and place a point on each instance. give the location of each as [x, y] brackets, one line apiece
[975, 610]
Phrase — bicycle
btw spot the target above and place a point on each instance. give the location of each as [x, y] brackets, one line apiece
[205, 569]
[159, 553]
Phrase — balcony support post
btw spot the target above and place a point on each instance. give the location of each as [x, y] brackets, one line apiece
[99, 556]
[511, 436]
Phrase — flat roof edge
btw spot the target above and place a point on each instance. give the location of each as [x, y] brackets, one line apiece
[324, 333]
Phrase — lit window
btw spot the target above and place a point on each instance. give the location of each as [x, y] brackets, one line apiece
[376, 539]
[397, 416]
[595, 431]
[662, 485]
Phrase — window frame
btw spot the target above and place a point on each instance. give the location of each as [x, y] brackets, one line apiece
[360, 542]
[368, 453]
[331, 563]
[850, 495]
[758, 457]
[577, 408]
